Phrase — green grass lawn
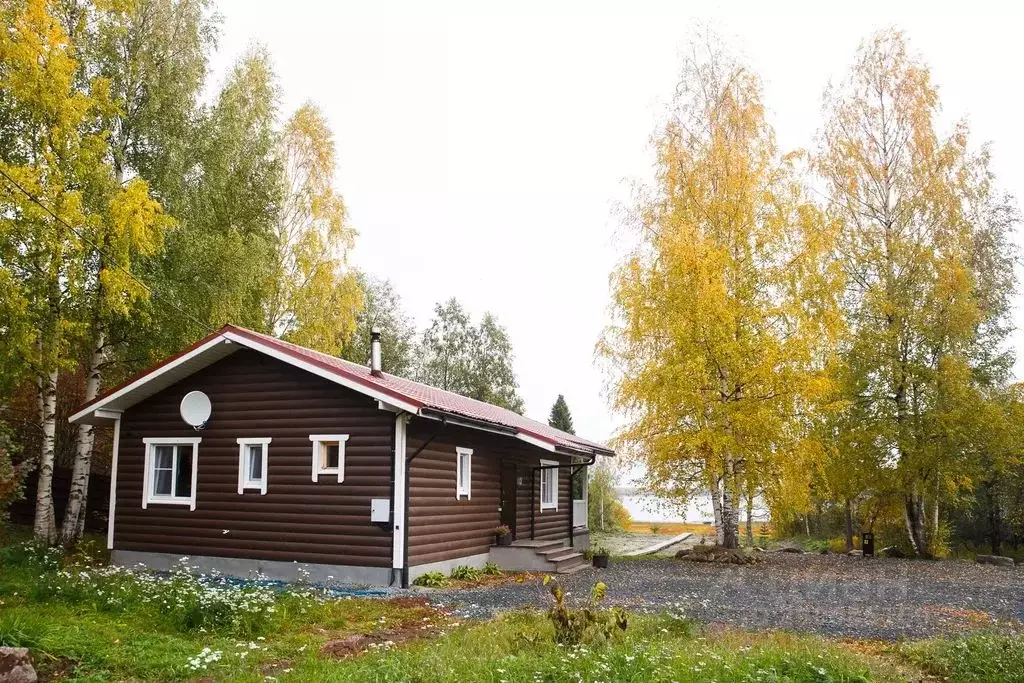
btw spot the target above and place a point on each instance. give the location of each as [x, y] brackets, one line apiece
[88, 622]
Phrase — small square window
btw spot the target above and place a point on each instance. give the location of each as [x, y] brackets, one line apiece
[252, 464]
[170, 471]
[463, 472]
[329, 455]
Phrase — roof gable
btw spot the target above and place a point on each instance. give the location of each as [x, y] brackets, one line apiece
[391, 391]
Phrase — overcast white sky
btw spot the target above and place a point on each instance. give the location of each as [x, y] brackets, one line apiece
[483, 151]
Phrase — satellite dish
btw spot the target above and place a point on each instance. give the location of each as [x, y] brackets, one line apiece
[195, 409]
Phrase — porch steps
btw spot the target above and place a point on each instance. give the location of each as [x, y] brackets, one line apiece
[554, 557]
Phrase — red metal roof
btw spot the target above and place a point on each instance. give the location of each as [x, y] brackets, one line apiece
[415, 393]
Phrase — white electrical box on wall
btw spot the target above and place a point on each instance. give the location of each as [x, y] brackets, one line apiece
[380, 510]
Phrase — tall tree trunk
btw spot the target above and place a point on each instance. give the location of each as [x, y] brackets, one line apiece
[913, 515]
[730, 519]
[994, 520]
[74, 513]
[849, 525]
[44, 526]
[750, 517]
[716, 507]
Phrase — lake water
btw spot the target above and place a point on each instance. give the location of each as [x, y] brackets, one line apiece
[646, 508]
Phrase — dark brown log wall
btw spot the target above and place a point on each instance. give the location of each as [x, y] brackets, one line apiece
[444, 528]
[257, 396]
[548, 524]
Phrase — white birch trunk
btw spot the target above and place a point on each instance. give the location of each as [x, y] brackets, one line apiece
[44, 526]
[730, 519]
[750, 518]
[716, 507]
[74, 514]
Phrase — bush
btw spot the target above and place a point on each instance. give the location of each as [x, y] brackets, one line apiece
[32, 554]
[12, 478]
[492, 569]
[185, 600]
[431, 580]
[588, 623]
[465, 573]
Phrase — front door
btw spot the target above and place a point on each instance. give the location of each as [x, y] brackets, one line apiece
[508, 496]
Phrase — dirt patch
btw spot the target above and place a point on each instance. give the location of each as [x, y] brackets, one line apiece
[359, 643]
[409, 602]
[49, 668]
[968, 617]
[276, 666]
[355, 644]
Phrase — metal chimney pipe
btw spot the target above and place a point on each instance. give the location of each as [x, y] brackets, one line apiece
[375, 352]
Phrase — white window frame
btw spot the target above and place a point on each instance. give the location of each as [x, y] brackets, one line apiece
[318, 442]
[244, 482]
[551, 473]
[148, 497]
[463, 488]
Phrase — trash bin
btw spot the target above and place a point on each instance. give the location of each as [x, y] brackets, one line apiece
[867, 544]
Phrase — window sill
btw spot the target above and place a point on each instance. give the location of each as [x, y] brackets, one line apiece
[171, 501]
[549, 506]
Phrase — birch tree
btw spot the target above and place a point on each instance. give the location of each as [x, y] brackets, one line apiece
[151, 54]
[70, 224]
[926, 259]
[725, 307]
[314, 296]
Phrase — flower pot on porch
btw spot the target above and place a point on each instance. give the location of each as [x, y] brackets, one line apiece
[601, 561]
[504, 539]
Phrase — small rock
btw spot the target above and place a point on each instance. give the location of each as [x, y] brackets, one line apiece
[996, 560]
[792, 549]
[856, 553]
[684, 552]
[16, 666]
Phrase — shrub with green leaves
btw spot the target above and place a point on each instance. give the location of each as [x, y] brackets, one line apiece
[587, 623]
[12, 478]
[431, 580]
[465, 573]
[492, 569]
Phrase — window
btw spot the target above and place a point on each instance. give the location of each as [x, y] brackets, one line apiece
[463, 472]
[252, 464]
[548, 485]
[329, 455]
[170, 471]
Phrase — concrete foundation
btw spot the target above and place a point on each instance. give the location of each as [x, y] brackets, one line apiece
[446, 566]
[269, 569]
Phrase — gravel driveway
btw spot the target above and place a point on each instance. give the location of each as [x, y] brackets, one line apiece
[831, 595]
